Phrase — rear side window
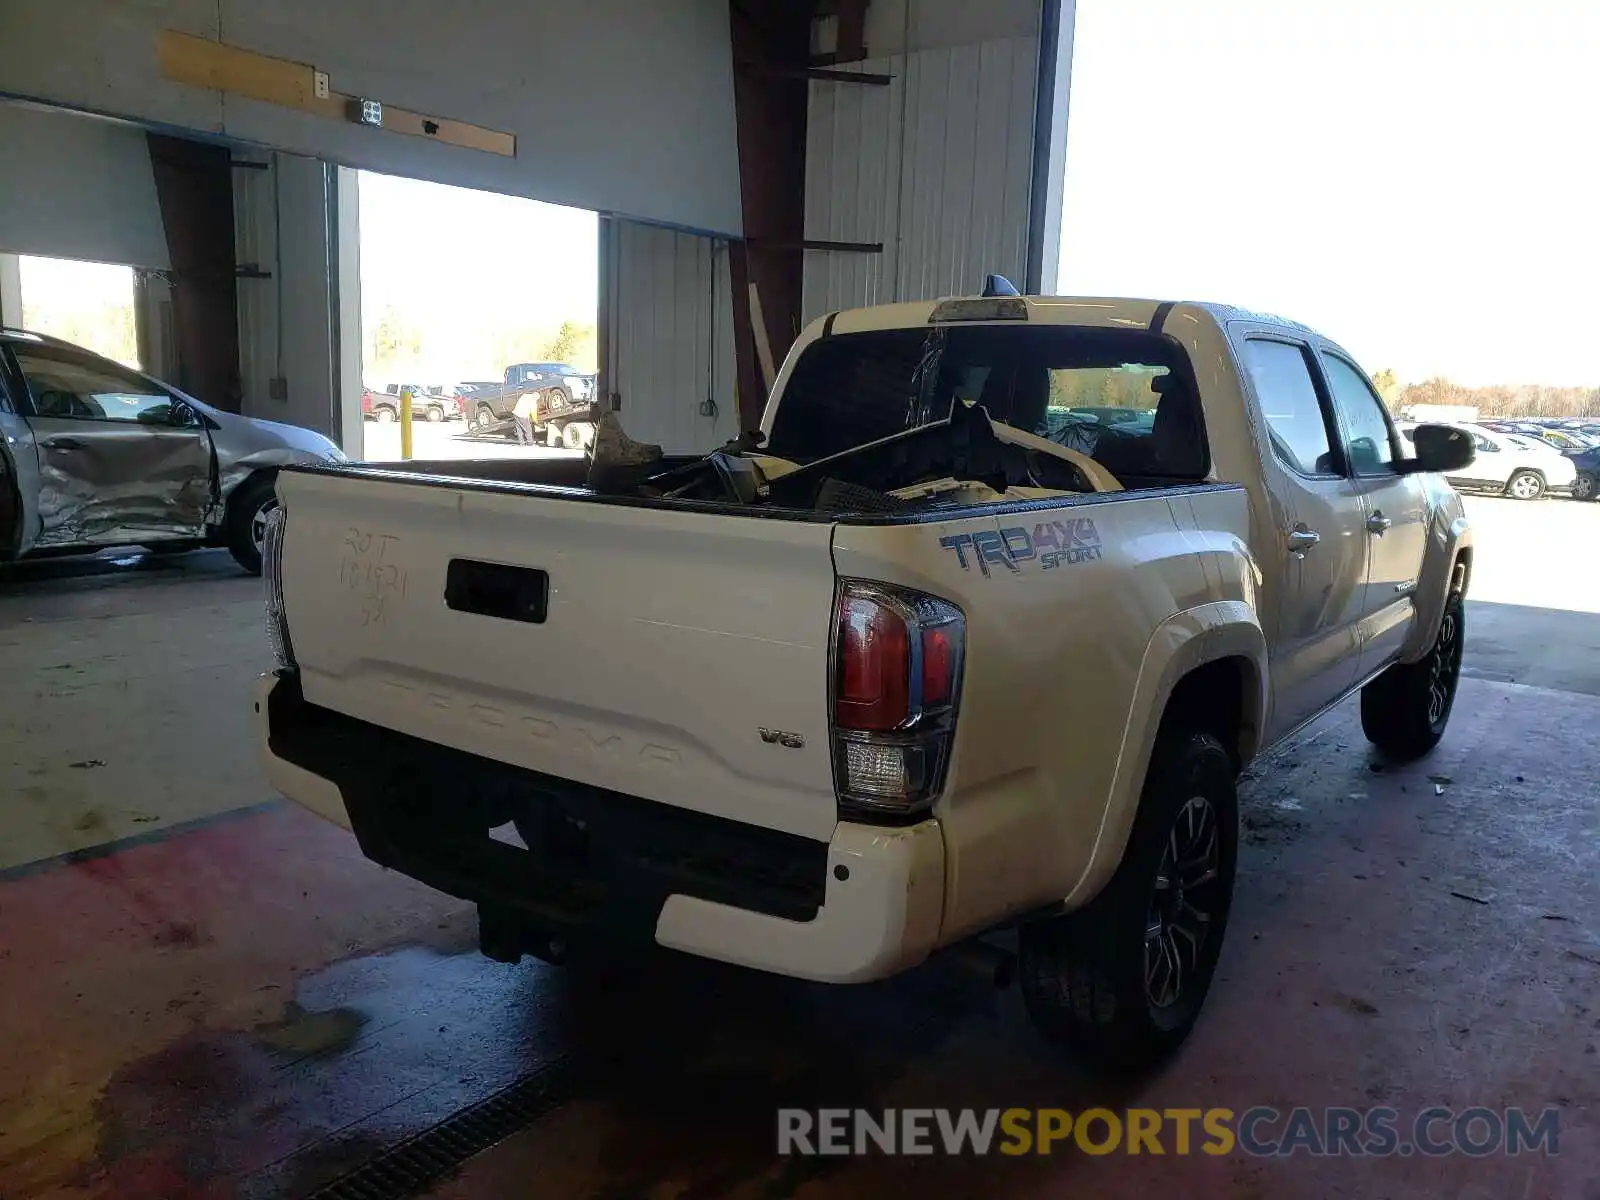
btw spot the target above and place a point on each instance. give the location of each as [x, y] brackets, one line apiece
[1288, 397]
[1368, 442]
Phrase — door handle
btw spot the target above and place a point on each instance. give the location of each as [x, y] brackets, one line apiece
[1302, 539]
[66, 443]
[1377, 523]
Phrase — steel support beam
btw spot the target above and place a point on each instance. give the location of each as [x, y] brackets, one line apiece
[194, 186]
[773, 39]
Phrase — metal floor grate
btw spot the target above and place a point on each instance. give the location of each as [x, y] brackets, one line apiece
[416, 1164]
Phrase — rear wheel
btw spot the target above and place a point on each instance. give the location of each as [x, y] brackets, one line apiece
[1405, 710]
[248, 510]
[435, 414]
[572, 436]
[1122, 981]
[1583, 487]
[1525, 485]
[484, 417]
[385, 414]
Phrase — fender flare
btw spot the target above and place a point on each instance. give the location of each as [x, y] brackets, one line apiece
[1446, 541]
[1183, 642]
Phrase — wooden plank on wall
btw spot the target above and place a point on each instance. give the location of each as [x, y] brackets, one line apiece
[201, 62]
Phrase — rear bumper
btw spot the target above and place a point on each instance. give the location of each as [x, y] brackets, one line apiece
[864, 905]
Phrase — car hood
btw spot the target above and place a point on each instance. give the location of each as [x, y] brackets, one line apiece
[245, 445]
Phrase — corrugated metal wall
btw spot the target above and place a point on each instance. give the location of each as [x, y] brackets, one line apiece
[671, 332]
[286, 321]
[937, 166]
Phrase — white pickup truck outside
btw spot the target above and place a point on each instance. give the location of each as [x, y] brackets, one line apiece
[980, 637]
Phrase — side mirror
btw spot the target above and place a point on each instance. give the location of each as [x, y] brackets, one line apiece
[1440, 448]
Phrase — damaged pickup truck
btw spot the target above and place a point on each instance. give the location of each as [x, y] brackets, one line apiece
[935, 652]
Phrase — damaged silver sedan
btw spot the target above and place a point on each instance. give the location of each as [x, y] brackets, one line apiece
[97, 455]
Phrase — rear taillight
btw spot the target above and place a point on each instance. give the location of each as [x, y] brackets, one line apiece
[896, 682]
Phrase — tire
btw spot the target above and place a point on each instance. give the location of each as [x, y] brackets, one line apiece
[1095, 979]
[247, 515]
[1405, 710]
[1525, 485]
[572, 436]
[1583, 487]
[552, 437]
[435, 414]
[484, 417]
[385, 414]
[556, 398]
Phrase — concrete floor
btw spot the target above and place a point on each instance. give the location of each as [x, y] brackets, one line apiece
[211, 994]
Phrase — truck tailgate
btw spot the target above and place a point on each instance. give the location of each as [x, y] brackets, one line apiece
[670, 639]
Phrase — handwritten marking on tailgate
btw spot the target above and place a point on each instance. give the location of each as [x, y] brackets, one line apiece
[365, 569]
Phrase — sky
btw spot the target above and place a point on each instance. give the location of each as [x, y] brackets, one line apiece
[457, 261]
[1417, 179]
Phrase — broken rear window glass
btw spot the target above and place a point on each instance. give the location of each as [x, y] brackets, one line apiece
[1123, 397]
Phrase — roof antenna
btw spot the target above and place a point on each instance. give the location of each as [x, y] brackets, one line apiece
[999, 285]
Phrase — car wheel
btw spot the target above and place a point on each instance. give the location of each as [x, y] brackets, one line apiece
[556, 397]
[1122, 981]
[1525, 485]
[248, 509]
[435, 414]
[484, 417]
[572, 436]
[385, 414]
[1583, 487]
[552, 436]
[1405, 710]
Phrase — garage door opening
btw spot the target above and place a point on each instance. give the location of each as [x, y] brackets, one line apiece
[93, 305]
[484, 307]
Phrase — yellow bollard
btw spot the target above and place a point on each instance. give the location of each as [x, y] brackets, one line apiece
[405, 424]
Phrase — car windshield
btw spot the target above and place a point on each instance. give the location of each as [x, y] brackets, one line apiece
[1092, 390]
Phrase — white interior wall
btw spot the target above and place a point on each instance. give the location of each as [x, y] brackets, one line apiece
[956, 167]
[617, 106]
[287, 326]
[937, 167]
[671, 357]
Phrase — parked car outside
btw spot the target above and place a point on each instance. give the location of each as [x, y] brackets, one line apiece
[1586, 486]
[1564, 439]
[430, 403]
[1511, 464]
[100, 455]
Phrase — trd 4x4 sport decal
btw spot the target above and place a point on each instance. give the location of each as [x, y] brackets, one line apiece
[1052, 543]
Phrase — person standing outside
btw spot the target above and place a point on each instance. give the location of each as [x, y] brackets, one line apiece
[527, 405]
